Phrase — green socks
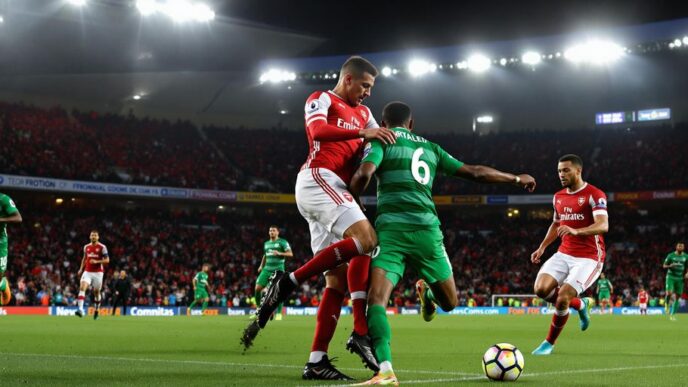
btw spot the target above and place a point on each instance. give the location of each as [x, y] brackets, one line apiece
[674, 307]
[192, 304]
[380, 332]
[259, 297]
[429, 296]
[204, 306]
[3, 284]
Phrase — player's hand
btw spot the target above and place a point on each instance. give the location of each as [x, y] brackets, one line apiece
[527, 182]
[537, 254]
[385, 135]
[566, 230]
[79, 272]
[260, 269]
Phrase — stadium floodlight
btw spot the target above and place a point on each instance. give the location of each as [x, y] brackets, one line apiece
[283, 112]
[531, 58]
[386, 71]
[136, 97]
[671, 45]
[462, 65]
[677, 42]
[485, 119]
[685, 38]
[78, 3]
[595, 52]
[2, 19]
[503, 61]
[180, 11]
[147, 7]
[418, 67]
[277, 76]
[478, 63]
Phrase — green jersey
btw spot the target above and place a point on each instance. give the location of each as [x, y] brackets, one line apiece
[7, 208]
[405, 173]
[603, 285]
[676, 272]
[201, 281]
[272, 261]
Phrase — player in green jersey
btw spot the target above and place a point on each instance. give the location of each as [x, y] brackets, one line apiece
[407, 224]
[275, 251]
[8, 214]
[604, 293]
[201, 288]
[675, 263]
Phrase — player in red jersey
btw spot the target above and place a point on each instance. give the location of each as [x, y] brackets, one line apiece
[91, 272]
[580, 219]
[336, 126]
[643, 298]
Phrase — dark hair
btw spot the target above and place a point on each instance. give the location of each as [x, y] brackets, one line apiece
[574, 159]
[275, 227]
[680, 243]
[357, 66]
[396, 113]
[94, 231]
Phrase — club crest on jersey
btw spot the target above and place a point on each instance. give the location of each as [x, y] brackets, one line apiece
[364, 115]
[581, 200]
[313, 106]
[348, 196]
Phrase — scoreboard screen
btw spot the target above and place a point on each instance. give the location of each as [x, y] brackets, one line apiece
[614, 118]
[654, 114]
[611, 118]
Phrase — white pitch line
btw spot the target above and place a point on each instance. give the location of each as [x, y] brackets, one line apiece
[215, 363]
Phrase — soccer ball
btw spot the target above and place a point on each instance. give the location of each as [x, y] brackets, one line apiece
[503, 362]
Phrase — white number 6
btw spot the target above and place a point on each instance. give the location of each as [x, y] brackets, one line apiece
[417, 165]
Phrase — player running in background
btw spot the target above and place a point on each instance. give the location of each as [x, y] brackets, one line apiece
[604, 291]
[91, 272]
[407, 224]
[675, 263]
[8, 214]
[201, 288]
[336, 125]
[643, 299]
[580, 219]
[275, 251]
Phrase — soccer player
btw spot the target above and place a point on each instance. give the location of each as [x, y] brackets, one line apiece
[643, 298]
[604, 293]
[201, 288]
[8, 214]
[675, 263]
[407, 224]
[336, 125]
[580, 219]
[91, 272]
[275, 250]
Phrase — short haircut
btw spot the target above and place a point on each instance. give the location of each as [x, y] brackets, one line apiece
[679, 243]
[396, 114]
[275, 227]
[358, 66]
[574, 159]
[94, 231]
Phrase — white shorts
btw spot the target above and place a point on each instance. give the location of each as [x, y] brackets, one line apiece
[327, 206]
[94, 279]
[643, 306]
[579, 273]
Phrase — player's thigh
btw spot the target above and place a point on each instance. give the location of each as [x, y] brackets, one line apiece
[85, 281]
[388, 256]
[426, 253]
[380, 287]
[263, 279]
[336, 278]
[555, 267]
[583, 273]
[97, 282]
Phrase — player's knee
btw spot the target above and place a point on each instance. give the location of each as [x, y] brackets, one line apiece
[449, 304]
[563, 302]
[541, 292]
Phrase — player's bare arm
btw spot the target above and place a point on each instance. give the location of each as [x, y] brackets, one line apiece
[193, 283]
[360, 181]
[322, 131]
[484, 174]
[14, 218]
[83, 263]
[550, 237]
[262, 264]
[600, 226]
[287, 254]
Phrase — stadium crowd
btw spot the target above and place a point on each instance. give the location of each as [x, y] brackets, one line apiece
[163, 249]
[125, 149]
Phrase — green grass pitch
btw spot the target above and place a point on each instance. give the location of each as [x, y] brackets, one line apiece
[205, 351]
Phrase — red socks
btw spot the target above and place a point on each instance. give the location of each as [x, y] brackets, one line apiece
[576, 303]
[357, 278]
[328, 315]
[558, 323]
[329, 258]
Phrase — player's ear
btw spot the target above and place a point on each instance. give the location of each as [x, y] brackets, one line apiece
[411, 124]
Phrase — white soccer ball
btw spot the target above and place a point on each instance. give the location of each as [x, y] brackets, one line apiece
[503, 362]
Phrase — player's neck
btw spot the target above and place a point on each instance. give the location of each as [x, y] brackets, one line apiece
[94, 243]
[577, 186]
[338, 91]
[273, 239]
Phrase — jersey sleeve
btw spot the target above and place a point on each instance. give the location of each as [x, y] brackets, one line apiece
[373, 153]
[446, 163]
[317, 106]
[104, 252]
[285, 245]
[8, 205]
[371, 120]
[668, 260]
[598, 202]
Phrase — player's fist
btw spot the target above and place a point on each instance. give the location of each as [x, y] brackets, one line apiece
[566, 230]
[537, 254]
[385, 135]
[527, 182]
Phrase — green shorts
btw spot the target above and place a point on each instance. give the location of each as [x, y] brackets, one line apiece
[264, 276]
[201, 294]
[604, 296]
[674, 285]
[3, 256]
[423, 250]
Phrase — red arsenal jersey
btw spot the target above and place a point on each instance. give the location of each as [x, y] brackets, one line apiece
[576, 210]
[97, 251]
[642, 297]
[340, 157]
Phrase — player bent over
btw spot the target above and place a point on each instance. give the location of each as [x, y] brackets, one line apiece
[407, 224]
[580, 219]
[91, 272]
[8, 214]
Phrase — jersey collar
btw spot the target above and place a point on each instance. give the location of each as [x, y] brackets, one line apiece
[568, 191]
